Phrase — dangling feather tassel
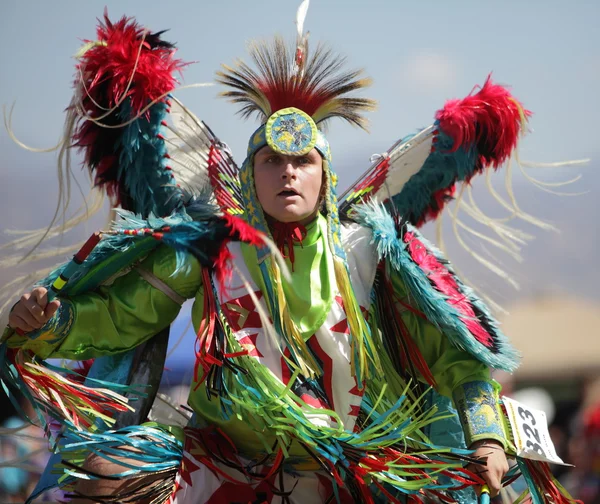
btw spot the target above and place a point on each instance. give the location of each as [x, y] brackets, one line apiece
[57, 395]
[543, 486]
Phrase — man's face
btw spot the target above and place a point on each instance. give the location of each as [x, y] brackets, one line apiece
[288, 187]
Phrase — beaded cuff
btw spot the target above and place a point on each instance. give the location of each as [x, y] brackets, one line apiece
[479, 411]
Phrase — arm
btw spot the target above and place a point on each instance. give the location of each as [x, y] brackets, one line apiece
[113, 318]
[468, 382]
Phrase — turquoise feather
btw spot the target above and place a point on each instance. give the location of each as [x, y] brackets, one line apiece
[433, 303]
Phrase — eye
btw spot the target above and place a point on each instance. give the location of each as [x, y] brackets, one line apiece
[304, 160]
[272, 159]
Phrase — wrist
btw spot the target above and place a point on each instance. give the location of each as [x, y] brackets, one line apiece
[45, 340]
[491, 443]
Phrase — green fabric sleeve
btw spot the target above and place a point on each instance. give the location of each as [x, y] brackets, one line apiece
[119, 316]
[453, 369]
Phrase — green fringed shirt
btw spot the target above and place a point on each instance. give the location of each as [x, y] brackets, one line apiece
[129, 311]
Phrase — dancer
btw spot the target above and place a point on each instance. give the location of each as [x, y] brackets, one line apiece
[331, 336]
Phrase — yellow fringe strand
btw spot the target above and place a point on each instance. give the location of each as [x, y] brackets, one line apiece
[363, 356]
[306, 361]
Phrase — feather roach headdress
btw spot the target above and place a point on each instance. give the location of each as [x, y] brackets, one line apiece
[288, 76]
[293, 93]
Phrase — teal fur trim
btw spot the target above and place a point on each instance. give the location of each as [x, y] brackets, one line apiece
[478, 408]
[200, 237]
[433, 303]
[197, 230]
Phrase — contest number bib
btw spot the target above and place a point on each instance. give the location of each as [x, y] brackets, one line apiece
[530, 432]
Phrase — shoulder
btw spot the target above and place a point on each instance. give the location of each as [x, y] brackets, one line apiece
[180, 270]
[356, 235]
[360, 253]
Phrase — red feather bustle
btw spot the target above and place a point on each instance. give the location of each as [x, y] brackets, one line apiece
[132, 60]
[118, 76]
[490, 120]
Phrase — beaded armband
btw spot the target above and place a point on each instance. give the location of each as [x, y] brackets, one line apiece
[479, 411]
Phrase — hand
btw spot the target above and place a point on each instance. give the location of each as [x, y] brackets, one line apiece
[33, 310]
[496, 465]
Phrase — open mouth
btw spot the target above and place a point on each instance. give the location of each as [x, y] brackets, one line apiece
[288, 192]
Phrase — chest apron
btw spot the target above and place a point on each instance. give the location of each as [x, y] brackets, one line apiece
[337, 389]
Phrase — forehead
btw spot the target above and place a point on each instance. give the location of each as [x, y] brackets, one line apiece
[264, 151]
[268, 151]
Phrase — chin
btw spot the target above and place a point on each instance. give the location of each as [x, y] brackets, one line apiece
[290, 216]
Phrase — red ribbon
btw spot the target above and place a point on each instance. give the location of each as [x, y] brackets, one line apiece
[286, 234]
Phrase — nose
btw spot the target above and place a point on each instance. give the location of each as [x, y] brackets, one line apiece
[289, 170]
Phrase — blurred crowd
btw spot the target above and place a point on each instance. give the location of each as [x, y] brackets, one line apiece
[577, 439]
[23, 454]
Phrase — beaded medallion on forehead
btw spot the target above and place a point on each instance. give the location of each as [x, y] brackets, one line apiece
[291, 132]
